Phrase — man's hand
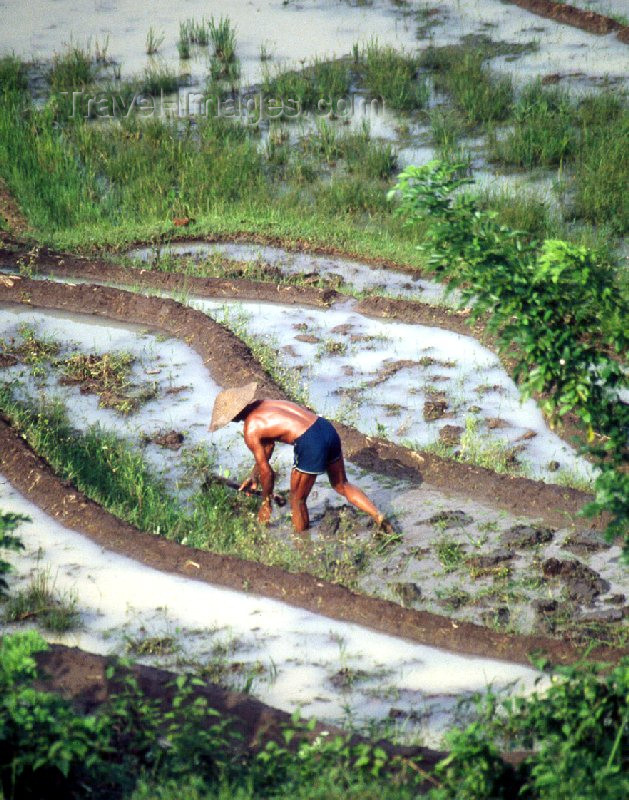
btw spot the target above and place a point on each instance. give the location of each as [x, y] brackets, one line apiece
[249, 485]
[264, 514]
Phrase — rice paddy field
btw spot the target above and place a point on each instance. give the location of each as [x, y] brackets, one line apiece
[409, 217]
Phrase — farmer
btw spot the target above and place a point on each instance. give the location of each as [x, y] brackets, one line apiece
[317, 450]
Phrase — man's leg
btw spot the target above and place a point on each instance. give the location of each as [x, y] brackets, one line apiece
[300, 485]
[338, 479]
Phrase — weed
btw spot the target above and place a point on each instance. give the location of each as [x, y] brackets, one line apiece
[392, 76]
[158, 79]
[12, 75]
[602, 174]
[317, 87]
[154, 41]
[450, 553]
[519, 210]
[152, 646]
[479, 95]
[543, 132]
[40, 601]
[71, 70]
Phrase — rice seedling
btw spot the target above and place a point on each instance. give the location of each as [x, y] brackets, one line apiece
[393, 76]
[41, 602]
[154, 41]
[71, 70]
[543, 132]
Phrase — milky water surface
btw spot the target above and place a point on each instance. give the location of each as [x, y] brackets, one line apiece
[295, 654]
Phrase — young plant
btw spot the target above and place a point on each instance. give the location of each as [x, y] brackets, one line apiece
[154, 41]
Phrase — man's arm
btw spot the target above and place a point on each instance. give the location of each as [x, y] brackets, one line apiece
[262, 451]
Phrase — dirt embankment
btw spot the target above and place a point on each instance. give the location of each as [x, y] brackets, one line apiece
[589, 21]
[231, 363]
[64, 265]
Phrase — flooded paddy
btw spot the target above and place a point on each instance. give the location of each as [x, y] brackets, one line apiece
[38, 30]
[445, 538]
[292, 659]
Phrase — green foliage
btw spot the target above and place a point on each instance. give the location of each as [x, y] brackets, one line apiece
[71, 70]
[392, 75]
[543, 132]
[554, 308]
[47, 749]
[8, 524]
[578, 732]
[474, 770]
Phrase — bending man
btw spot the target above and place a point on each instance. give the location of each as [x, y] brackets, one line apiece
[317, 450]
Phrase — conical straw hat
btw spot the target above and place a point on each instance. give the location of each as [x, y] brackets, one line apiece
[230, 402]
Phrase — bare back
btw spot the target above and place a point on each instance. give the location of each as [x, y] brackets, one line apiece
[278, 421]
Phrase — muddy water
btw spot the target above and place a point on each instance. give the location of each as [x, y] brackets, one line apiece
[40, 28]
[471, 527]
[357, 276]
[330, 670]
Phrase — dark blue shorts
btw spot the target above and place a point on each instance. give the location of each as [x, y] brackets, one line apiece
[317, 448]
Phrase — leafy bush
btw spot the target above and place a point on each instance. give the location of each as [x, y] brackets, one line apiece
[49, 750]
[554, 309]
[577, 730]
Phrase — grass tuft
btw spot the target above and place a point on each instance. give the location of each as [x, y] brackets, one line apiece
[393, 76]
[41, 602]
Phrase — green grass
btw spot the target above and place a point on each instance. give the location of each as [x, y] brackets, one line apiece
[392, 75]
[71, 70]
[481, 96]
[543, 131]
[157, 79]
[601, 175]
[322, 82]
[114, 474]
[12, 74]
[40, 601]
[521, 211]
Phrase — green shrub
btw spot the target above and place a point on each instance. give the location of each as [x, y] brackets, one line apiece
[578, 729]
[554, 309]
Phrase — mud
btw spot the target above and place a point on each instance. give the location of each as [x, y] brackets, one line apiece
[231, 363]
[36, 480]
[589, 21]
